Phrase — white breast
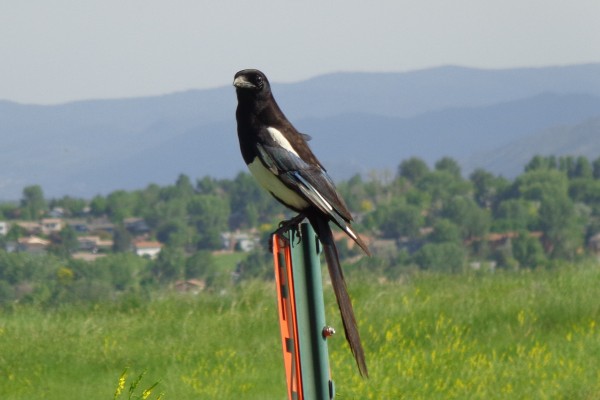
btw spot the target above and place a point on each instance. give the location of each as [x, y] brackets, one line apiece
[272, 183]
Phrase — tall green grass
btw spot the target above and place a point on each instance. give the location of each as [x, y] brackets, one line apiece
[504, 335]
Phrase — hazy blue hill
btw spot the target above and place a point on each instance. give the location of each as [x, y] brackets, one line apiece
[201, 150]
[581, 139]
[373, 141]
[382, 142]
[359, 121]
[412, 93]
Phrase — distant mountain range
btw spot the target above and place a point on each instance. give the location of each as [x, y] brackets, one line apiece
[494, 119]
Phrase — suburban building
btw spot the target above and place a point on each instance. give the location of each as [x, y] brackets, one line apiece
[147, 248]
[93, 244]
[32, 244]
[193, 286]
[242, 241]
[4, 227]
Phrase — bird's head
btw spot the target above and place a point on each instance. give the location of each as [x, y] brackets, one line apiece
[251, 82]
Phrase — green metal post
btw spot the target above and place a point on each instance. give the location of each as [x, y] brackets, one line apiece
[310, 312]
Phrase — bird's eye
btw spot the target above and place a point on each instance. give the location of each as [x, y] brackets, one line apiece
[259, 81]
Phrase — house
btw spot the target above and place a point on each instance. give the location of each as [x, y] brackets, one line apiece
[383, 247]
[136, 226]
[101, 225]
[51, 225]
[148, 249]
[242, 241]
[594, 244]
[32, 244]
[85, 256]
[503, 239]
[193, 286]
[93, 243]
[30, 228]
[4, 227]
[78, 226]
[485, 265]
[57, 212]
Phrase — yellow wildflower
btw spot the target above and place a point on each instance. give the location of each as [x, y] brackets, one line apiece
[121, 384]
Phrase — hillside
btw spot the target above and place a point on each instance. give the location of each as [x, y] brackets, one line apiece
[88, 147]
[579, 139]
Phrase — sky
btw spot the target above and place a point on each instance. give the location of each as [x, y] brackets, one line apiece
[58, 51]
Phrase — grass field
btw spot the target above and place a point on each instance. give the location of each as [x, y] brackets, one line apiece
[507, 335]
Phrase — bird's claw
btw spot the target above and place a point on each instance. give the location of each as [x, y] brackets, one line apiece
[284, 226]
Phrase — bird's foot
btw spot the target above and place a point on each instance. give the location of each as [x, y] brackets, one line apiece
[285, 226]
[288, 224]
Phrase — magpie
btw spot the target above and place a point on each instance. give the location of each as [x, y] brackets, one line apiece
[279, 158]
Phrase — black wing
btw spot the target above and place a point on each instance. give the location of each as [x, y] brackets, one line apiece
[312, 182]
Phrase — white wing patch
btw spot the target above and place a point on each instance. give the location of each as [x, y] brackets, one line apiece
[350, 232]
[278, 138]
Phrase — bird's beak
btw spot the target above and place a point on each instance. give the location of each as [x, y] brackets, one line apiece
[242, 83]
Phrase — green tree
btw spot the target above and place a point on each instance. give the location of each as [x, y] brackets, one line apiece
[7, 292]
[514, 215]
[258, 264]
[202, 265]
[539, 184]
[170, 265]
[444, 231]
[596, 168]
[563, 233]
[397, 219]
[448, 164]
[567, 164]
[447, 257]
[585, 190]
[488, 188]
[121, 240]
[127, 270]
[355, 193]
[248, 201]
[71, 205]
[540, 163]
[119, 205]
[210, 215]
[528, 250]
[9, 211]
[440, 186]
[176, 233]
[472, 221]
[207, 185]
[65, 243]
[33, 203]
[15, 232]
[413, 169]
[583, 168]
[98, 206]
[184, 186]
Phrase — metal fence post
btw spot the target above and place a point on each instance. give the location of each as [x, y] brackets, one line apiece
[302, 314]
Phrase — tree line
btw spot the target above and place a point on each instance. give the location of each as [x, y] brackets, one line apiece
[420, 217]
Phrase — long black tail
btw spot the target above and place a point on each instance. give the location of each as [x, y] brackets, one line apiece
[323, 230]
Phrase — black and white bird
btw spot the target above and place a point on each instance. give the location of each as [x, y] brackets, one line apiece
[280, 159]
